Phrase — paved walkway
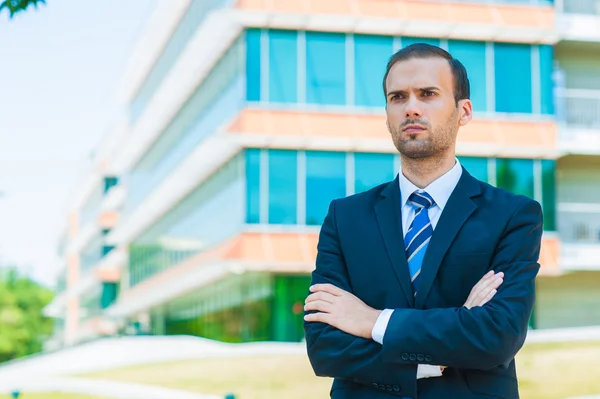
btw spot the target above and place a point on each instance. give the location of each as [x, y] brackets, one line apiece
[99, 387]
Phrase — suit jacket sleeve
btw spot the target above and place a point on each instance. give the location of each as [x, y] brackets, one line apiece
[334, 353]
[482, 337]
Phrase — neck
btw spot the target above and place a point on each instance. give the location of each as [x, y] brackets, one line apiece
[423, 171]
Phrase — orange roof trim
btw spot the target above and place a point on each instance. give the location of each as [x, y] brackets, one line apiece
[505, 133]
[501, 15]
[283, 252]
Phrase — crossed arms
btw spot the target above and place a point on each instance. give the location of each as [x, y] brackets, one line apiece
[481, 337]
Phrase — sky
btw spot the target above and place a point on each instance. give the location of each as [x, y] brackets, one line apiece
[59, 70]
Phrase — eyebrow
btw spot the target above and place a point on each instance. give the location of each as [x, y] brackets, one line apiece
[428, 88]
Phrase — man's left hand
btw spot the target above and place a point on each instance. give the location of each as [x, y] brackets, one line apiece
[340, 309]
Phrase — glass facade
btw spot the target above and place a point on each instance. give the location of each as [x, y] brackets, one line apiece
[515, 175]
[217, 100]
[325, 81]
[549, 194]
[192, 19]
[371, 169]
[273, 178]
[283, 186]
[285, 66]
[477, 167]
[240, 308]
[512, 68]
[192, 226]
[371, 55]
[325, 181]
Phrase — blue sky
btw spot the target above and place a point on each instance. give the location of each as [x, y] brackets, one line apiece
[59, 69]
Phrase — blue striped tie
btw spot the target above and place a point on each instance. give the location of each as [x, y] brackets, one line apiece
[418, 235]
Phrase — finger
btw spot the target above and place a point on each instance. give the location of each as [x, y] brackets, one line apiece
[480, 285]
[488, 282]
[320, 296]
[484, 280]
[320, 306]
[489, 297]
[482, 289]
[481, 298]
[330, 288]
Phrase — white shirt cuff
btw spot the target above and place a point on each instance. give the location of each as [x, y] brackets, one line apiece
[427, 370]
[381, 325]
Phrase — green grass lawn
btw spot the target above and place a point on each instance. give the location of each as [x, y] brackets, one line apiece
[546, 371]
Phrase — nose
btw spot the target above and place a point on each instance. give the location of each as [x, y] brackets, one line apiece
[413, 108]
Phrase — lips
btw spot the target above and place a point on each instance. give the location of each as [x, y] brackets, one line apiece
[413, 129]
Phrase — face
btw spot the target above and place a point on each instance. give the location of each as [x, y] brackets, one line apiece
[422, 115]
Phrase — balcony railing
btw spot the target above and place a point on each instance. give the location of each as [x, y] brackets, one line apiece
[579, 108]
[583, 7]
[579, 223]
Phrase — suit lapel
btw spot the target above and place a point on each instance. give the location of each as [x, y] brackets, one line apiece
[389, 216]
[457, 210]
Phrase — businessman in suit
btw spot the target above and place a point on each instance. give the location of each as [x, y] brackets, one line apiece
[395, 307]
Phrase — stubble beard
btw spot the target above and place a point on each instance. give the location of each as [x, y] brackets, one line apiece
[435, 145]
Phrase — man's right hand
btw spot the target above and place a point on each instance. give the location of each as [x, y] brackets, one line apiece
[484, 290]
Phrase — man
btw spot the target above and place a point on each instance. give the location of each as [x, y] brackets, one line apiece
[395, 290]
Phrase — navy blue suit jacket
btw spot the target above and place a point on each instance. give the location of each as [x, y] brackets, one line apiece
[361, 250]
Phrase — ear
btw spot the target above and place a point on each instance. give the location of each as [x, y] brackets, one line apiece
[465, 109]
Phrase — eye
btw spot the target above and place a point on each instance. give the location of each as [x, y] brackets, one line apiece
[429, 93]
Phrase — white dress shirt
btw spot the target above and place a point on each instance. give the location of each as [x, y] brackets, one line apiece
[440, 190]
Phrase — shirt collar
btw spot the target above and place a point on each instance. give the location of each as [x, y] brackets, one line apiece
[440, 189]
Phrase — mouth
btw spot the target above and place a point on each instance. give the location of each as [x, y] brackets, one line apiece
[413, 129]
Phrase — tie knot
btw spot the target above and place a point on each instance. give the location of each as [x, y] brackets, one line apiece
[421, 200]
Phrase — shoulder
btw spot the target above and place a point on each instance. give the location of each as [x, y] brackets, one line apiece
[362, 199]
[505, 201]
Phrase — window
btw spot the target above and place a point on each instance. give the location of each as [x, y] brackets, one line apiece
[546, 70]
[472, 56]
[477, 167]
[371, 170]
[253, 64]
[283, 66]
[549, 194]
[512, 69]
[325, 68]
[515, 175]
[371, 54]
[325, 181]
[282, 186]
[253, 186]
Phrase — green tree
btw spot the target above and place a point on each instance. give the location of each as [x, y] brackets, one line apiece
[23, 326]
[15, 6]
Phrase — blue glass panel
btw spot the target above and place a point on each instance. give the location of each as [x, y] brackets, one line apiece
[546, 83]
[477, 167]
[371, 170]
[512, 67]
[283, 183]
[472, 56]
[549, 194]
[283, 66]
[253, 64]
[515, 175]
[371, 54]
[407, 41]
[325, 181]
[325, 68]
[253, 185]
